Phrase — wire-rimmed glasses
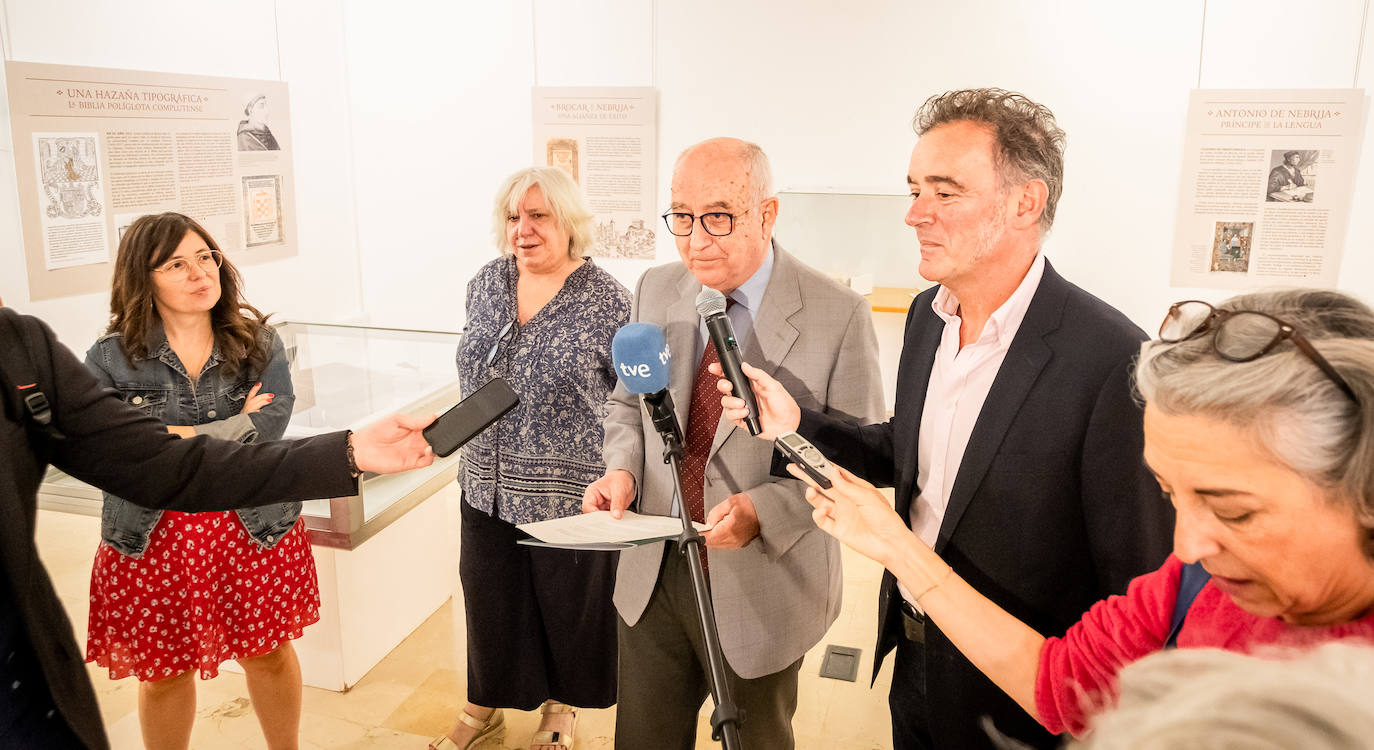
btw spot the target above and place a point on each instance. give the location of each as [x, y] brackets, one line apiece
[180, 268]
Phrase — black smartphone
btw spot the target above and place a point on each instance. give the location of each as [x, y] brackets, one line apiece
[470, 416]
[801, 452]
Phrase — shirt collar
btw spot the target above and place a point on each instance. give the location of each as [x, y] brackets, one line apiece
[750, 293]
[1006, 319]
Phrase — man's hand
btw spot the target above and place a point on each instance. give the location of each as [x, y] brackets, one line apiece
[392, 444]
[778, 412]
[614, 492]
[734, 523]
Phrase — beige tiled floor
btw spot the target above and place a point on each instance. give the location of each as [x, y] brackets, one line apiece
[415, 692]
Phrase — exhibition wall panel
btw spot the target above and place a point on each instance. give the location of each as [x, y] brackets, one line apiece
[299, 42]
[408, 113]
[829, 91]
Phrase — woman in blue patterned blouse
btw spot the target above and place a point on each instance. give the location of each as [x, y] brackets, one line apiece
[540, 624]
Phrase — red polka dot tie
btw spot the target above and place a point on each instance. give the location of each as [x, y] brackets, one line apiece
[702, 419]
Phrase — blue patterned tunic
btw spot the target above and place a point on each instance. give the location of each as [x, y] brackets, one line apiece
[533, 464]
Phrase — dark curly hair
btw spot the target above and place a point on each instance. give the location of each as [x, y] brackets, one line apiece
[1030, 144]
[147, 244]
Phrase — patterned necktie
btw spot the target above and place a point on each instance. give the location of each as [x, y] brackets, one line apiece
[702, 419]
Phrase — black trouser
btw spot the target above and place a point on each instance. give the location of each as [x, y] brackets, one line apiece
[540, 623]
[28, 718]
[907, 698]
[910, 707]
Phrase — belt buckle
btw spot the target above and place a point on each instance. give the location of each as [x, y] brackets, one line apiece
[913, 622]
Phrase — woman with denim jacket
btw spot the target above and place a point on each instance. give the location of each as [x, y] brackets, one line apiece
[172, 593]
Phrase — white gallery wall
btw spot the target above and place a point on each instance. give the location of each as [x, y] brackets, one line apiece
[408, 114]
[299, 41]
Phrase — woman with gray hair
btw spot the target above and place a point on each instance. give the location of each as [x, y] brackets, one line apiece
[1259, 426]
[1210, 699]
[541, 629]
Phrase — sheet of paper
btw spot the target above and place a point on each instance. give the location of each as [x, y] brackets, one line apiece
[600, 530]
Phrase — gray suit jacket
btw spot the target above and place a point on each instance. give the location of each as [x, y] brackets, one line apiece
[775, 598]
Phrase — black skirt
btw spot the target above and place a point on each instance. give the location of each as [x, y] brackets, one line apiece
[540, 622]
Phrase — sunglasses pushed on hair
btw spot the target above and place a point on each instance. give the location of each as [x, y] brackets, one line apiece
[1241, 335]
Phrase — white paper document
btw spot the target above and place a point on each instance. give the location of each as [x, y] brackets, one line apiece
[600, 531]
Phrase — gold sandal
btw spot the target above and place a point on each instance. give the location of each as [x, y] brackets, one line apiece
[491, 729]
[546, 739]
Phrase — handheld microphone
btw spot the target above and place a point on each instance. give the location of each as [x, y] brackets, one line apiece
[640, 354]
[711, 307]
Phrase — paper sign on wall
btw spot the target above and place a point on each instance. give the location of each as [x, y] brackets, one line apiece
[96, 148]
[1267, 179]
[606, 138]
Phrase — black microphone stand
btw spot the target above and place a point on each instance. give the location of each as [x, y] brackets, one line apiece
[725, 720]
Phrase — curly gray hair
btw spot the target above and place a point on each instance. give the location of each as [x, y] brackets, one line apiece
[1030, 144]
[1209, 698]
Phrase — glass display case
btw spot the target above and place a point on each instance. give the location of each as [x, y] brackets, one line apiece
[860, 239]
[345, 377]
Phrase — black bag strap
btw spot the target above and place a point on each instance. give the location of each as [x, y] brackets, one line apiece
[21, 383]
[1190, 581]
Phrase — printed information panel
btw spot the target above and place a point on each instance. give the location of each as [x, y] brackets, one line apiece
[1267, 179]
[96, 148]
[606, 138]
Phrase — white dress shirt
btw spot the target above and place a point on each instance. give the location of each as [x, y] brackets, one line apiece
[959, 383]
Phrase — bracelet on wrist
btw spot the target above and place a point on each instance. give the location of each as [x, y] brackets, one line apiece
[352, 460]
[949, 571]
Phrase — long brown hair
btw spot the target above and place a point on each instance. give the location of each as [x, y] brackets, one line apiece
[147, 244]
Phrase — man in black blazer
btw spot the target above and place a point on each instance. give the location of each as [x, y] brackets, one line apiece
[1015, 446]
[46, 700]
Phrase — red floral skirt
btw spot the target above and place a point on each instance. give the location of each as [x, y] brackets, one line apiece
[202, 593]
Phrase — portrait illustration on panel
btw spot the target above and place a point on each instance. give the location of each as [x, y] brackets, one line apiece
[254, 133]
[1292, 176]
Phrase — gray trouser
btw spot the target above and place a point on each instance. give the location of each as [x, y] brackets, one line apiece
[663, 679]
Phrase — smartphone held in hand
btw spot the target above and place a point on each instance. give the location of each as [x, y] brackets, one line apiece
[470, 416]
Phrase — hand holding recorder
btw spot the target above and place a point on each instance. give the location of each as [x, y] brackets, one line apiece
[846, 507]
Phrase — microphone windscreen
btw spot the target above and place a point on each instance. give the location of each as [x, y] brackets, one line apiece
[710, 302]
[640, 354]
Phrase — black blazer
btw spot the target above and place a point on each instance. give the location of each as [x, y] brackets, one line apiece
[1052, 508]
[115, 447]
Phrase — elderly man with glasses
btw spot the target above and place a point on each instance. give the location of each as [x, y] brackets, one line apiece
[1015, 445]
[774, 577]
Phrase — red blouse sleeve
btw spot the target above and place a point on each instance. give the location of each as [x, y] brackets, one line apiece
[1077, 674]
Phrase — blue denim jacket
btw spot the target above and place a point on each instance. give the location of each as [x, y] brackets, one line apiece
[160, 386]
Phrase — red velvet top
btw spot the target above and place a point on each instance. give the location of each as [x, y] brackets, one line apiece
[1078, 673]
